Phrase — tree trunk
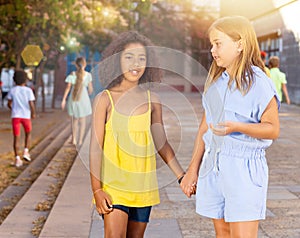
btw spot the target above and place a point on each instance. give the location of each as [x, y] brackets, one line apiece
[18, 63]
[40, 77]
[54, 83]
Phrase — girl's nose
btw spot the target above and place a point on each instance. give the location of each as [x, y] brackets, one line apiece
[136, 62]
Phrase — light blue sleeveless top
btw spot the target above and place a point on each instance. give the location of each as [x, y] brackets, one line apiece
[222, 103]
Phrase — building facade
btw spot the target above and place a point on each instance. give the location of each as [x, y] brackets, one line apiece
[277, 26]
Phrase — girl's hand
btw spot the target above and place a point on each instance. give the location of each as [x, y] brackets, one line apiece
[63, 104]
[189, 183]
[224, 128]
[103, 202]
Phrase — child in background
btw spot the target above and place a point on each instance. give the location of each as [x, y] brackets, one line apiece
[79, 104]
[278, 78]
[127, 123]
[6, 82]
[240, 121]
[263, 55]
[21, 102]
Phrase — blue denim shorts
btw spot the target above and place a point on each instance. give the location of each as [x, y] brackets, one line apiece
[138, 214]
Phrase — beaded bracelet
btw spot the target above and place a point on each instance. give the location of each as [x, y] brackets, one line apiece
[97, 190]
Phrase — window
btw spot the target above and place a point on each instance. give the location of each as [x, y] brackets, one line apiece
[271, 44]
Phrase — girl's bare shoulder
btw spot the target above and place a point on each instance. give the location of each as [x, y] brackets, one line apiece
[155, 97]
[102, 99]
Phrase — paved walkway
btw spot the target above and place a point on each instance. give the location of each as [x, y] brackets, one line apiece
[73, 215]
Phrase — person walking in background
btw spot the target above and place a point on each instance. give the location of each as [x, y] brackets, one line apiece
[126, 124]
[240, 121]
[279, 78]
[1, 90]
[6, 82]
[263, 55]
[79, 104]
[21, 102]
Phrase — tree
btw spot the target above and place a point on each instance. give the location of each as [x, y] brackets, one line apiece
[52, 24]
[33, 22]
[48, 24]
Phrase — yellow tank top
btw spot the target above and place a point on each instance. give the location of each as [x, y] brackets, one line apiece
[129, 162]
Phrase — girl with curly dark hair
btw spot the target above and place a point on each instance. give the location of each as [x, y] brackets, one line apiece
[126, 128]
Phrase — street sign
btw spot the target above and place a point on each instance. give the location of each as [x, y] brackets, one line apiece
[32, 55]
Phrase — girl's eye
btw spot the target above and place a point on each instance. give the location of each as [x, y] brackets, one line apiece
[142, 59]
[128, 57]
[216, 44]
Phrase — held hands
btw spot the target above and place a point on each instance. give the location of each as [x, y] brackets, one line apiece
[103, 202]
[189, 184]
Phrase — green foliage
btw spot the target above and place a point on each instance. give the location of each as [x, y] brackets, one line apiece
[54, 23]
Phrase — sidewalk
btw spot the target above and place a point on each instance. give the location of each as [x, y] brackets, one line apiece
[73, 216]
[175, 216]
[41, 125]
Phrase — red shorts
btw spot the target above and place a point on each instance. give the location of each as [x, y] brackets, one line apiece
[16, 124]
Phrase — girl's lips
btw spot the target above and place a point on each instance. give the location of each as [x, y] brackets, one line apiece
[134, 72]
[216, 57]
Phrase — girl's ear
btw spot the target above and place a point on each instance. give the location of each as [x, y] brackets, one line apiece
[240, 45]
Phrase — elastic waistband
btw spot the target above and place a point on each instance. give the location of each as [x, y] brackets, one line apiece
[244, 154]
[237, 149]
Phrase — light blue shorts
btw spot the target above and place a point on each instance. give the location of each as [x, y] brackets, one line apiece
[236, 190]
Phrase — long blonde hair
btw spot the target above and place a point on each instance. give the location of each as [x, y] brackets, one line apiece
[238, 28]
[80, 63]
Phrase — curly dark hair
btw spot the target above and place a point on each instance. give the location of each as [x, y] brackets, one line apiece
[110, 68]
[20, 77]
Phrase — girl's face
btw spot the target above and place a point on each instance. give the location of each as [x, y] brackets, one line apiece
[133, 62]
[224, 50]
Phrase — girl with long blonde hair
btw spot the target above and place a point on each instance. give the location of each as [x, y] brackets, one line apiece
[229, 171]
[79, 105]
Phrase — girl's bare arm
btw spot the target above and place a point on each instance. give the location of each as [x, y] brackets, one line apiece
[90, 88]
[268, 128]
[190, 179]
[67, 90]
[160, 139]
[199, 147]
[95, 153]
